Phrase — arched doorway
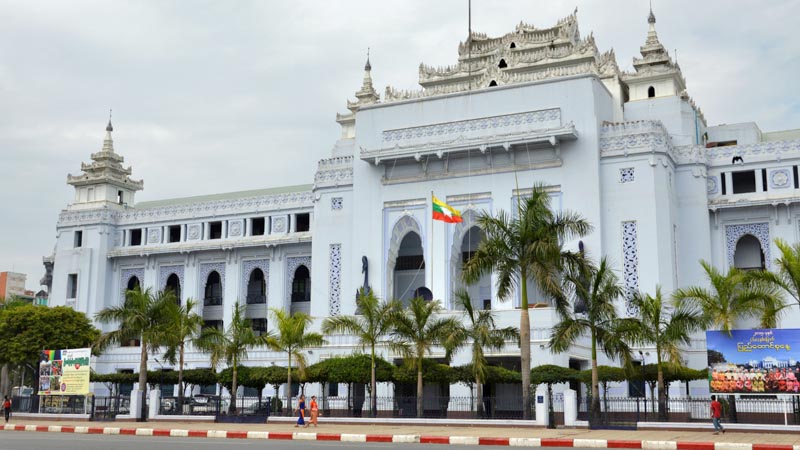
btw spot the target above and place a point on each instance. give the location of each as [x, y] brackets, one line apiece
[748, 254]
[256, 288]
[213, 291]
[481, 291]
[133, 283]
[174, 284]
[409, 268]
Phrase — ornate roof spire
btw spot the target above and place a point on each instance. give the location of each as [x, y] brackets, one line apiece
[651, 19]
[366, 95]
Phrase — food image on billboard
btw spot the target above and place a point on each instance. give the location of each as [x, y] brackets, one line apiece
[64, 372]
[764, 361]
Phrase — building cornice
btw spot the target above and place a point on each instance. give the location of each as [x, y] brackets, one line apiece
[636, 137]
[210, 245]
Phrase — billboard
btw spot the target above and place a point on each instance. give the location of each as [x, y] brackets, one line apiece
[754, 361]
[64, 372]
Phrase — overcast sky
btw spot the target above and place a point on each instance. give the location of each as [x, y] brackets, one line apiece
[216, 96]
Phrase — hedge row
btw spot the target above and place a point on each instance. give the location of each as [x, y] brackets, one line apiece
[356, 369]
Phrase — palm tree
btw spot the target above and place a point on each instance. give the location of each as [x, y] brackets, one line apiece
[292, 340]
[185, 326]
[485, 336]
[787, 277]
[374, 322]
[142, 316]
[522, 248]
[417, 331]
[597, 289]
[666, 328]
[730, 298]
[231, 345]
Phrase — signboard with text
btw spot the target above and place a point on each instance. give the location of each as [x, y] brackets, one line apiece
[761, 361]
[64, 372]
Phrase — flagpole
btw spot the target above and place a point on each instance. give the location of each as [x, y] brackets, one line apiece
[433, 224]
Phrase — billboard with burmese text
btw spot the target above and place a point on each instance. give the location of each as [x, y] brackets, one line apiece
[65, 372]
[762, 361]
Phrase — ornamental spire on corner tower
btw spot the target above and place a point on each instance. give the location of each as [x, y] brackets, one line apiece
[104, 180]
[367, 94]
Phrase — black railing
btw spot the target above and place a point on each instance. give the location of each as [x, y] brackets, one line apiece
[433, 407]
[205, 405]
[256, 299]
[212, 301]
[625, 412]
[108, 408]
[301, 296]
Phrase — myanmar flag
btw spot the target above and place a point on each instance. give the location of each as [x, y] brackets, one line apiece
[443, 211]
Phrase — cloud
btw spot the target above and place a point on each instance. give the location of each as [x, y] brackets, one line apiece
[221, 96]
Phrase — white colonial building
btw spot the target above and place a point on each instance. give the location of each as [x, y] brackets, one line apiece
[630, 151]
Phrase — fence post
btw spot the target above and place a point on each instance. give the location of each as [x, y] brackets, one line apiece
[570, 407]
[541, 402]
[91, 411]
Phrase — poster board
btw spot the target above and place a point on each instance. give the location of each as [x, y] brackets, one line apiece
[65, 372]
[761, 361]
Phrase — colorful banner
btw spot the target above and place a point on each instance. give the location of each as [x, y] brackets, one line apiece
[65, 372]
[754, 361]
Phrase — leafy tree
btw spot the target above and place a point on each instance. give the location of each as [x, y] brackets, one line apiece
[27, 329]
[370, 327]
[787, 277]
[184, 327]
[142, 316]
[730, 298]
[482, 332]
[417, 331]
[292, 340]
[231, 345]
[597, 289]
[432, 372]
[522, 248]
[494, 375]
[605, 375]
[549, 374]
[667, 329]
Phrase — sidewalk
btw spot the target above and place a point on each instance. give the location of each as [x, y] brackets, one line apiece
[453, 434]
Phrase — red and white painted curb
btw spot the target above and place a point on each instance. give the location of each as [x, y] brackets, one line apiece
[405, 438]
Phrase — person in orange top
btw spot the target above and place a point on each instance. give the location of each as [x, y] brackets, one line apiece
[314, 411]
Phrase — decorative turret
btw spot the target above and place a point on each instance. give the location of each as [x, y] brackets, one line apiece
[104, 181]
[364, 96]
[656, 75]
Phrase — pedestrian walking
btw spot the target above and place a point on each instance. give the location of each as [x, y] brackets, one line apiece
[314, 411]
[716, 415]
[301, 410]
[7, 408]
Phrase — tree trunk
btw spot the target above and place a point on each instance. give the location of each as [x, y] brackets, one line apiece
[234, 388]
[373, 387]
[479, 399]
[595, 412]
[662, 397]
[180, 381]
[289, 386]
[525, 349]
[419, 387]
[143, 367]
[4, 380]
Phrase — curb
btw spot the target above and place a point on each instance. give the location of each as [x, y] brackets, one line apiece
[404, 438]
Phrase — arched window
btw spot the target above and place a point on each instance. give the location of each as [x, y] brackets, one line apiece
[213, 291]
[480, 292]
[133, 283]
[502, 64]
[748, 254]
[513, 45]
[651, 92]
[256, 288]
[301, 285]
[409, 267]
[492, 83]
[174, 284]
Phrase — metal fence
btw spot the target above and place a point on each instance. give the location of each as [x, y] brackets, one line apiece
[201, 405]
[108, 408]
[449, 407]
[625, 412]
[51, 404]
